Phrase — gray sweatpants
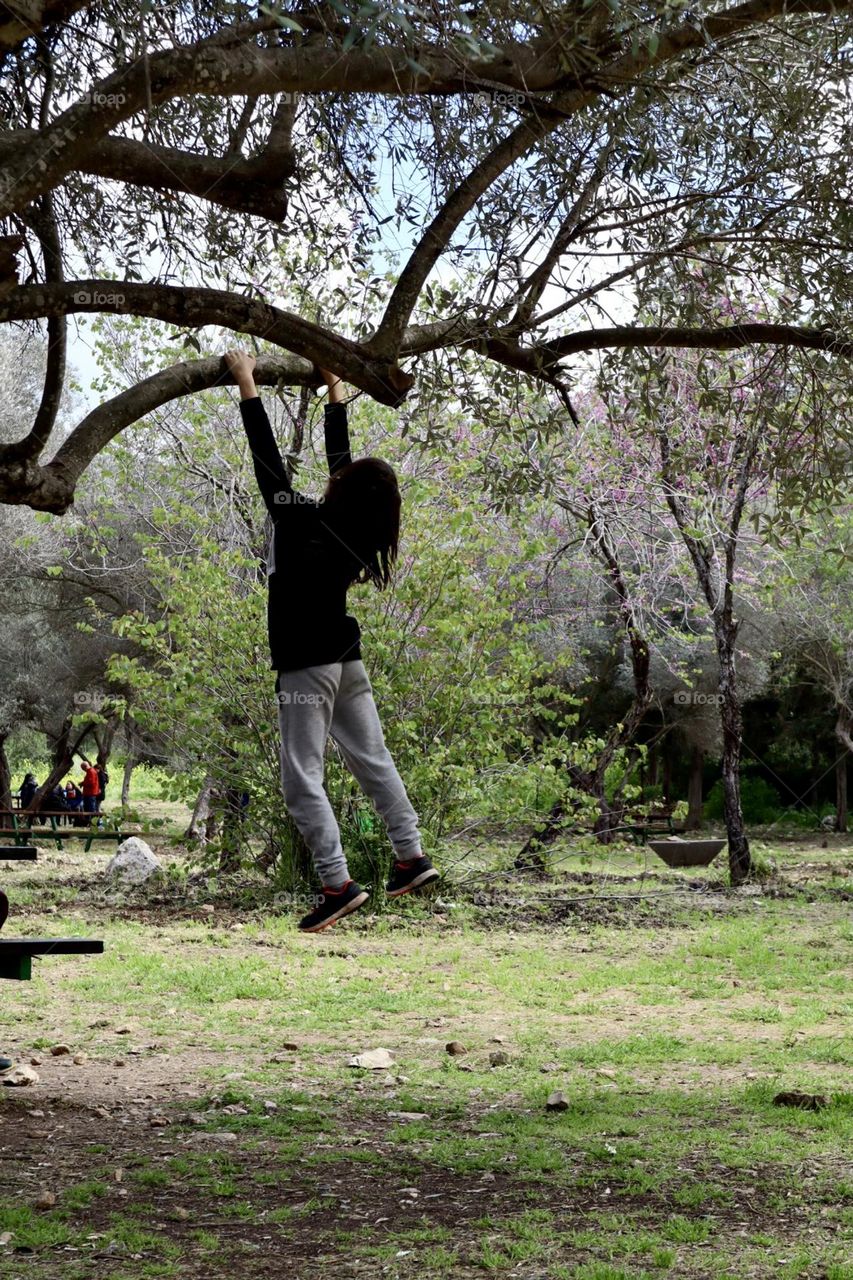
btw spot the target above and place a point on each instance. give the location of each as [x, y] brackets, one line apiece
[337, 699]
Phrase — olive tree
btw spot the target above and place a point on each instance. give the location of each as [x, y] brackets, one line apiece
[462, 179]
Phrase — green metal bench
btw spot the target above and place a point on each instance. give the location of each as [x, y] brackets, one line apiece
[16, 954]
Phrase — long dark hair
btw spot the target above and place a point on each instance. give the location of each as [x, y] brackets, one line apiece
[362, 503]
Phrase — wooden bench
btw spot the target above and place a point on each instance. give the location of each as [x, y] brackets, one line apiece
[642, 826]
[63, 825]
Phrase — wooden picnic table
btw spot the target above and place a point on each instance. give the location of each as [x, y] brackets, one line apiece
[643, 825]
[58, 825]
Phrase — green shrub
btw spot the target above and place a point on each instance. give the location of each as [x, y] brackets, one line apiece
[457, 679]
[760, 801]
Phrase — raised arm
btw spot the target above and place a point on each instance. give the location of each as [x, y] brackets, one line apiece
[335, 425]
[269, 464]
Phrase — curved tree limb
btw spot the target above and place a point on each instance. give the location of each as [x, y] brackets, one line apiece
[51, 487]
[619, 75]
[545, 355]
[250, 186]
[223, 69]
[193, 307]
[42, 220]
[23, 19]
[99, 427]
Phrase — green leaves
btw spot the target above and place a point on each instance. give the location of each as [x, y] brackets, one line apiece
[286, 22]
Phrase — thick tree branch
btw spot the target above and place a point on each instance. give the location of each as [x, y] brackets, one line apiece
[535, 359]
[247, 186]
[439, 233]
[99, 427]
[42, 220]
[51, 487]
[192, 308]
[618, 76]
[223, 70]
[20, 20]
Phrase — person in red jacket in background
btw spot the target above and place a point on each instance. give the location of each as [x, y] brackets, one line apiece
[91, 787]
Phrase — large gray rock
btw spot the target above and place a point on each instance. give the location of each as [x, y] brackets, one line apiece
[134, 863]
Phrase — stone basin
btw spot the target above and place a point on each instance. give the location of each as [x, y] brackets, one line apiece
[687, 853]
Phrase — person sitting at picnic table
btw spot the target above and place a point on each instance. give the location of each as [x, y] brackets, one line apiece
[56, 799]
[73, 796]
[28, 789]
[91, 787]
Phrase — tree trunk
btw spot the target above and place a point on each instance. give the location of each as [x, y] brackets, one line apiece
[211, 822]
[653, 759]
[129, 765]
[197, 830]
[232, 831]
[5, 776]
[666, 780]
[841, 794]
[104, 735]
[64, 751]
[694, 789]
[740, 863]
[531, 856]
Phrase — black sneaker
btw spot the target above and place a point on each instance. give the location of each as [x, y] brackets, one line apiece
[6, 1064]
[332, 905]
[406, 876]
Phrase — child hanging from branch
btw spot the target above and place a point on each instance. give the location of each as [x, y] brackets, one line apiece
[319, 549]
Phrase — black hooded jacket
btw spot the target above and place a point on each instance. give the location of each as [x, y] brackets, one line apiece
[310, 566]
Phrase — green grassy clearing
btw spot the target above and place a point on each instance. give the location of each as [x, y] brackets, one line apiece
[669, 1043]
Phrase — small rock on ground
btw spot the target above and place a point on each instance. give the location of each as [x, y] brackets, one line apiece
[557, 1101]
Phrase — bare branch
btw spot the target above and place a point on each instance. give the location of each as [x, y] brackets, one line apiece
[23, 19]
[194, 307]
[250, 186]
[535, 286]
[220, 69]
[42, 220]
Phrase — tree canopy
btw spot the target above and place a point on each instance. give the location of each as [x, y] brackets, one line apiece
[374, 187]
